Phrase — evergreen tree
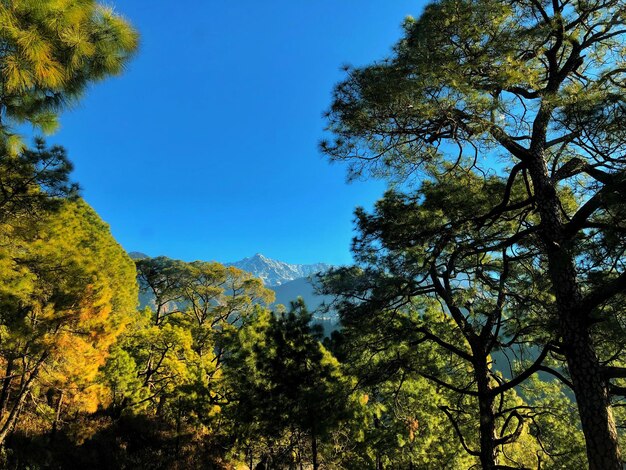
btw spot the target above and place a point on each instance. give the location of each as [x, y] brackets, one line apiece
[33, 182]
[287, 387]
[538, 85]
[51, 51]
[173, 354]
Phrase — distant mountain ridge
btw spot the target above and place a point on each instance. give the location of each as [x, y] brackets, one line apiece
[275, 273]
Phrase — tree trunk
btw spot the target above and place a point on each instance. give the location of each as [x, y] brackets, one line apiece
[488, 454]
[590, 388]
[161, 406]
[487, 427]
[592, 396]
[11, 420]
[314, 450]
[6, 384]
[178, 423]
[57, 415]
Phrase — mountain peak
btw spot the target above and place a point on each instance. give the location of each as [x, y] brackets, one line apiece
[137, 255]
[273, 272]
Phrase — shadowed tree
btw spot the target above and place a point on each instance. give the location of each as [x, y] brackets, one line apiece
[286, 385]
[471, 293]
[160, 281]
[169, 363]
[34, 182]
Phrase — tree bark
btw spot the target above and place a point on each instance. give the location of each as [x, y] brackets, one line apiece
[487, 427]
[6, 384]
[57, 415]
[161, 406]
[590, 387]
[314, 451]
[592, 396]
[11, 420]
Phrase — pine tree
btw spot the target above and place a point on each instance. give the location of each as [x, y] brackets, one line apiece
[533, 93]
[51, 51]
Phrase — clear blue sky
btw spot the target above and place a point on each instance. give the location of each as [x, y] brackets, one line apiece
[206, 148]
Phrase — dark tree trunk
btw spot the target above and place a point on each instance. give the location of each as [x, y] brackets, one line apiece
[178, 423]
[27, 384]
[592, 396]
[161, 406]
[488, 453]
[487, 427]
[314, 451]
[6, 385]
[590, 387]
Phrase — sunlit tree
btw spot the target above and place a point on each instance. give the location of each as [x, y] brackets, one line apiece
[76, 295]
[531, 92]
[51, 50]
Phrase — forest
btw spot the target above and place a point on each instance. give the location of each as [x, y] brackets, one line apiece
[482, 324]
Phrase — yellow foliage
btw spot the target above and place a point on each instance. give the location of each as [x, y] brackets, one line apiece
[78, 292]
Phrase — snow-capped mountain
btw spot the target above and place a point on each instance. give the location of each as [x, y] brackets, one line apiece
[274, 273]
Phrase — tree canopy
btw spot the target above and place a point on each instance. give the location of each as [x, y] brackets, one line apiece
[484, 308]
[531, 93]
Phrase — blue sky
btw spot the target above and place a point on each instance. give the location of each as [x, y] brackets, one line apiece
[206, 148]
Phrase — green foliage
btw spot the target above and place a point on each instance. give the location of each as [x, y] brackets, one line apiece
[402, 424]
[523, 104]
[287, 388]
[451, 310]
[169, 362]
[33, 182]
[439, 294]
[52, 50]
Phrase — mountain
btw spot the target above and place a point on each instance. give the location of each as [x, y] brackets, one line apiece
[288, 281]
[136, 255]
[275, 273]
[305, 288]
